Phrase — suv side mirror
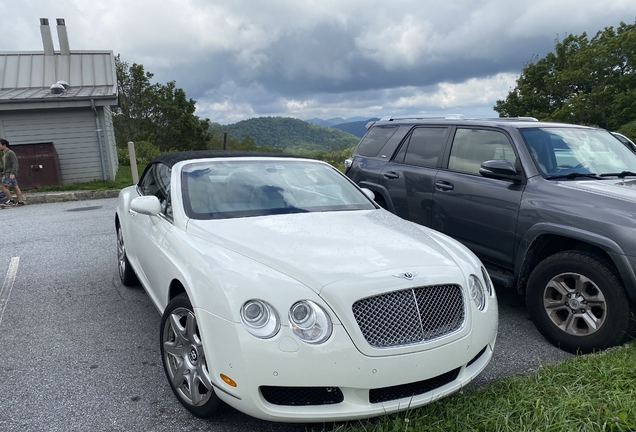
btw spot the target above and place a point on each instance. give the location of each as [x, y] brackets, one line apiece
[500, 169]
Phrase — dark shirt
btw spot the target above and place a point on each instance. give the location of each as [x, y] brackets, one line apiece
[10, 163]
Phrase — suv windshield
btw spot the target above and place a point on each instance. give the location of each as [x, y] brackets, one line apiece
[562, 152]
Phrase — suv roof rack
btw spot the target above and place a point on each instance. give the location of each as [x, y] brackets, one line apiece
[531, 119]
[454, 117]
[423, 117]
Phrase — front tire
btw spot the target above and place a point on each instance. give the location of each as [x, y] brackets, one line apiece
[184, 359]
[577, 301]
[126, 273]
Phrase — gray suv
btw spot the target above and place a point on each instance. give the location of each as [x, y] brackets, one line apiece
[549, 208]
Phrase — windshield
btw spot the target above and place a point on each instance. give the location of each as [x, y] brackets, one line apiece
[240, 188]
[562, 151]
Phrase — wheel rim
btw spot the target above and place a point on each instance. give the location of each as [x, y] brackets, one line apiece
[575, 304]
[121, 253]
[184, 358]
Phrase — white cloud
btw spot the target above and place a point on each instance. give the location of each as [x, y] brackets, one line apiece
[248, 58]
[399, 45]
[473, 92]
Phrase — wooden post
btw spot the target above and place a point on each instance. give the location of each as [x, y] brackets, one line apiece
[224, 140]
[133, 162]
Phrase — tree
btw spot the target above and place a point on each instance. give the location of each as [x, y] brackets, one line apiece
[583, 81]
[156, 113]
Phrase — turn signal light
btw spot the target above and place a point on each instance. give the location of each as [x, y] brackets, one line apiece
[227, 380]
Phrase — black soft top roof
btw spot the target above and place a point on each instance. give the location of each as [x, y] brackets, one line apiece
[172, 158]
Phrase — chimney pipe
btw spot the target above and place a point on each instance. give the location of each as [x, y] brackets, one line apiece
[47, 40]
[63, 37]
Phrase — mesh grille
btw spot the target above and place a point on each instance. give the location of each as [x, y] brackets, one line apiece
[296, 396]
[412, 389]
[410, 316]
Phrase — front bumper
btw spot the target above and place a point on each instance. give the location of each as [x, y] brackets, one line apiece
[283, 363]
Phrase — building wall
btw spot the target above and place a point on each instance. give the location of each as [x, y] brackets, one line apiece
[109, 141]
[73, 131]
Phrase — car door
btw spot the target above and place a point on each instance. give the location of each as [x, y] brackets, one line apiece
[148, 232]
[479, 212]
[410, 176]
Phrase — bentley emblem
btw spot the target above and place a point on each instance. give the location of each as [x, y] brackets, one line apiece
[406, 275]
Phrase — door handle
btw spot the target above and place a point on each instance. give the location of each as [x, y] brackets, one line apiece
[444, 185]
[391, 175]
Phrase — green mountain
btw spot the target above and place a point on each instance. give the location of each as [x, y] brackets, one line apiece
[288, 134]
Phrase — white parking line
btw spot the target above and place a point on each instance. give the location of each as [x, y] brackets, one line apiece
[7, 286]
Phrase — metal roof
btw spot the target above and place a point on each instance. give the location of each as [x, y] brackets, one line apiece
[28, 76]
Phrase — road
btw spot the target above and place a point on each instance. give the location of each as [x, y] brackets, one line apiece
[79, 351]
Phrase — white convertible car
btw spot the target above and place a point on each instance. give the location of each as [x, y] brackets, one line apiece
[287, 293]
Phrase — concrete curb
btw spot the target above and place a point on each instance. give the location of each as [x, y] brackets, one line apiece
[53, 197]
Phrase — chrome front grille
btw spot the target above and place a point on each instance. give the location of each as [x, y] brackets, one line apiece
[410, 316]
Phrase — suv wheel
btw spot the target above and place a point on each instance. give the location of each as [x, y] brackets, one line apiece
[577, 301]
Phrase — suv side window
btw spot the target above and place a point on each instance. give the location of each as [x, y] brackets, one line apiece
[472, 147]
[425, 147]
[375, 139]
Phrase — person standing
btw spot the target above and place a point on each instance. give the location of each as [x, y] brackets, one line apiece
[10, 174]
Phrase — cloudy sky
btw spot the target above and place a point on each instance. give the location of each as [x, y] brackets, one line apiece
[321, 58]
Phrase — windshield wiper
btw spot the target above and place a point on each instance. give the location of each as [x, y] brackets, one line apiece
[574, 175]
[622, 174]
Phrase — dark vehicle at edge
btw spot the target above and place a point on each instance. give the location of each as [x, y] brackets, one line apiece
[549, 208]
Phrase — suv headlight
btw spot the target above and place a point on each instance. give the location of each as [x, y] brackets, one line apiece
[260, 319]
[309, 322]
[476, 292]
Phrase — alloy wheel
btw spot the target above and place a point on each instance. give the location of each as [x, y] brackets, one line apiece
[575, 304]
[184, 358]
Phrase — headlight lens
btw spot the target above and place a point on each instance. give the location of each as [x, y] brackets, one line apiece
[476, 291]
[487, 281]
[260, 319]
[309, 322]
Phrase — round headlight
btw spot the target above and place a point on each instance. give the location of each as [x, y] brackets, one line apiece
[260, 319]
[476, 292]
[309, 322]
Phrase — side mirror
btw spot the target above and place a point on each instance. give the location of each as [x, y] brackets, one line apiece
[501, 169]
[146, 205]
[369, 193]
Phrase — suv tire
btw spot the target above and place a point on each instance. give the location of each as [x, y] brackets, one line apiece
[577, 301]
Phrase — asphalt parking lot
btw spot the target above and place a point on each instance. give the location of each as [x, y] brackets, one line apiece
[79, 351]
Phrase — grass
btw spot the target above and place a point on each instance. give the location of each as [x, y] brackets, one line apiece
[123, 178]
[595, 392]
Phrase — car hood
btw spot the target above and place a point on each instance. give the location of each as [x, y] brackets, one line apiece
[615, 188]
[318, 249]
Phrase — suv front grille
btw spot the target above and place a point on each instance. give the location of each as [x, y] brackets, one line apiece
[410, 316]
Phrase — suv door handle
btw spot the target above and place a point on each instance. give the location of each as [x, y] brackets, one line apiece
[444, 185]
[391, 175]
